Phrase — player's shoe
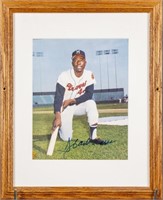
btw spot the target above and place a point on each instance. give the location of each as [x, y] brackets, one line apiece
[99, 141]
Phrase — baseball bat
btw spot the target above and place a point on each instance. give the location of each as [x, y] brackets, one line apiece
[52, 141]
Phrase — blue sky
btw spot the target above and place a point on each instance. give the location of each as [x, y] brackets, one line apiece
[110, 70]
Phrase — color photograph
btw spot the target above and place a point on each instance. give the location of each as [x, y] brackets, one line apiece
[80, 99]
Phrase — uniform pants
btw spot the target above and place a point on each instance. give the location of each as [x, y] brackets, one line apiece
[88, 108]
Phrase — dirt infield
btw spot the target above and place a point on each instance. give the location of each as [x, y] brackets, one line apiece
[100, 111]
[114, 120]
[113, 110]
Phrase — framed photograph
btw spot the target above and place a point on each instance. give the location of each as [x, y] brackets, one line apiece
[109, 67]
[81, 99]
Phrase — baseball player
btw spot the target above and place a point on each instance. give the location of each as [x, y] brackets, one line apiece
[74, 91]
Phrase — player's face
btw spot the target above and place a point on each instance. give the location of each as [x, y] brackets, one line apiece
[79, 63]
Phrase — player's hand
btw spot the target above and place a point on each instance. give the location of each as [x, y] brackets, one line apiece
[56, 121]
[68, 102]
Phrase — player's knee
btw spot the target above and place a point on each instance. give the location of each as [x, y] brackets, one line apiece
[91, 104]
[65, 136]
[92, 112]
[91, 107]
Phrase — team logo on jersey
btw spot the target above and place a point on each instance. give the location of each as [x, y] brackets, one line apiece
[92, 76]
[80, 87]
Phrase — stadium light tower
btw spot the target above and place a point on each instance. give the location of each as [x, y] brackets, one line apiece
[38, 62]
[107, 52]
[99, 53]
[38, 54]
[115, 51]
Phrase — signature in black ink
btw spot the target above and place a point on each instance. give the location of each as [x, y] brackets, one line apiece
[76, 143]
[73, 144]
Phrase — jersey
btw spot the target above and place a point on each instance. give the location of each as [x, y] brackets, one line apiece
[75, 86]
[69, 86]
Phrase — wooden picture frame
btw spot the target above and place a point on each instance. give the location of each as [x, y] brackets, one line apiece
[8, 8]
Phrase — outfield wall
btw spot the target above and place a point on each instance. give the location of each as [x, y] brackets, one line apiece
[105, 96]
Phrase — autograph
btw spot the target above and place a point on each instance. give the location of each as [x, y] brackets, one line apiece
[76, 143]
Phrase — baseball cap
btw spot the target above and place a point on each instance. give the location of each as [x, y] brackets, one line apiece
[77, 52]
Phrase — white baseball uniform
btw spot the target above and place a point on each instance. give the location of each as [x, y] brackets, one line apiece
[82, 90]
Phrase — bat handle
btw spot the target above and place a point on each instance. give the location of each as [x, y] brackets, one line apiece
[52, 141]
[55, 128]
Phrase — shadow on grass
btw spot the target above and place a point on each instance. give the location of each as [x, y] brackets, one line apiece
[39, 138]
[38, 148]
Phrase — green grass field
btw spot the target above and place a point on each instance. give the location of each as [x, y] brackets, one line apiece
[79, 147]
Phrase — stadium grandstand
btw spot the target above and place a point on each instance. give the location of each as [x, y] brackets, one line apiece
[100, 96]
